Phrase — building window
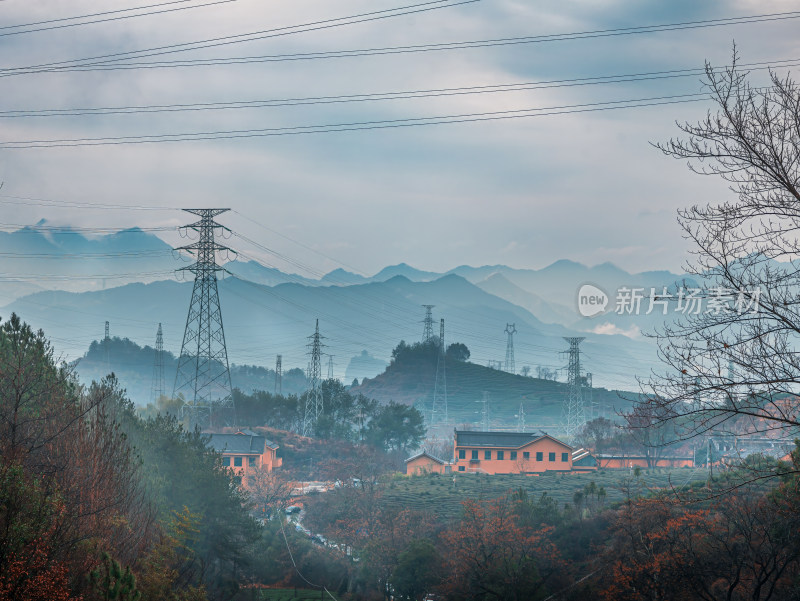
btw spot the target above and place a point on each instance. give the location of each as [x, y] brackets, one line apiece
[460, 468]
[487, 455]
[475, 454]
[251, 461]
[462, 454]
[513, 456]
[526, 455]
[226, 461]
[501, 455]
[564, 456]
[551, 456]
[237, 462]
[539, 456]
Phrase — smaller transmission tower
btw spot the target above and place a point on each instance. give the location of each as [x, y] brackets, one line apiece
[485, 411]
[314, 396]
[439, 410]
[278, 375]
[511, 329]
[575, 407]
[157, 388]
[106, 344]
[330, 367]
[592, 408]
[427, 330]
[521, 418]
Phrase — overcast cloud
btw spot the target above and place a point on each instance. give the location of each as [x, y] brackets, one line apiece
[523, 192]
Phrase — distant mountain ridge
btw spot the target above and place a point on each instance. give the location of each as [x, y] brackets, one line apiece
[264, 321]
[126, 277]
[66, 259]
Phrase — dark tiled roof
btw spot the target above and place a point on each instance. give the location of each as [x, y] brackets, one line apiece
[240, 443]
[510, 440]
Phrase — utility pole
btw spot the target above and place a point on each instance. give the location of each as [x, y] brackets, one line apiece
[439, 410]
[574, 409]
[314, 395]
[106, 344]
[203, 376]
[511, 329]
[592, 409]
[157, 388]
[427, 330]
[278, 375]
[485, 411]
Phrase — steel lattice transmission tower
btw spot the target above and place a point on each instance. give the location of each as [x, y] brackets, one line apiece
[592, 408]
[330, 367]
[157, 388]
[439, 409]
[106, 344]
[575, 408]
[203, 375]
[427, 330]
[521, 418]
[278, 375]
[511, 329]
[314, 395]
[485, 411]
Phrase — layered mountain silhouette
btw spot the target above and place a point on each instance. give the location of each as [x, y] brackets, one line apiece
[125, 278]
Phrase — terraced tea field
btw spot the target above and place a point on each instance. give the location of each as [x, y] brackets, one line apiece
[440, 495]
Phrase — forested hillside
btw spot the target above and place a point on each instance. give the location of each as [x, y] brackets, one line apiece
[133, 367]
[411, 379]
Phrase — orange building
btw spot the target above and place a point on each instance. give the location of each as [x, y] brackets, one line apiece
[245, 452]
[425, 463]
[510, 453]
[628, 461]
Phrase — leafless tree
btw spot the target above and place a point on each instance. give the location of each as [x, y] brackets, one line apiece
[733, 365]
[268, 491]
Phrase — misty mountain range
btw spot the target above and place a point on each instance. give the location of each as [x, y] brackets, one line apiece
[268, 312]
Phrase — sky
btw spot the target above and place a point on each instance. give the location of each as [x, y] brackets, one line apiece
[524, 192]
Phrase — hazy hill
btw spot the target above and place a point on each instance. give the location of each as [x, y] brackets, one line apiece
[499, 285]
[133, 366]
[549, 293]
[410, 379]
[45, 257]
[263, 321]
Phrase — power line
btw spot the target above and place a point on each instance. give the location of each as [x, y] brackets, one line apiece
[236, 39]
[359, 126]
[4, 33]
[428, 47]
[376, 96]
[69, 229]
[46, 202]
[74, 255]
